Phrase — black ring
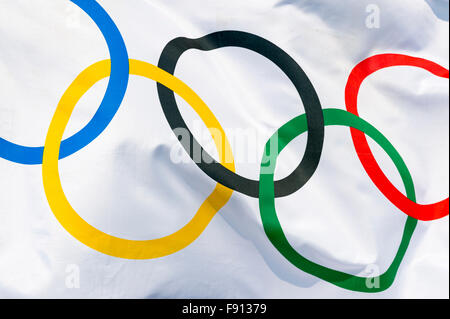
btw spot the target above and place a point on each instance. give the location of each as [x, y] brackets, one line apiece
[288, 185]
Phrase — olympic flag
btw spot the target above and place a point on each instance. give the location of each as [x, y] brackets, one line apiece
[224, 149]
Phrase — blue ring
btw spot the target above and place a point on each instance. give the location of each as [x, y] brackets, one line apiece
[115, 92]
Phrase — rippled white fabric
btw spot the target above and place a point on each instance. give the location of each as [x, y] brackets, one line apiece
[125, 182]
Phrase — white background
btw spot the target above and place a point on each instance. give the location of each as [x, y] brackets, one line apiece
[125, 184]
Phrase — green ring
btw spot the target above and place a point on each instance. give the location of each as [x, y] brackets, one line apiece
[272, 226]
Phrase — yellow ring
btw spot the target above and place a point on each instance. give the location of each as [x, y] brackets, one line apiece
[91, 236]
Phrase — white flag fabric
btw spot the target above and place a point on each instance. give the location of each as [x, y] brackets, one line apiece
[258, 66]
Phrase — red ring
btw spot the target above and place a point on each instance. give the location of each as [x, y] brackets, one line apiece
[357, 76]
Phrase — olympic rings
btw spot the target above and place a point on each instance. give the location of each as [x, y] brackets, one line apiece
[357, 76]
[80, 229]
[115, 92]
[272, 226]
[300, 176]
[313, 121]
